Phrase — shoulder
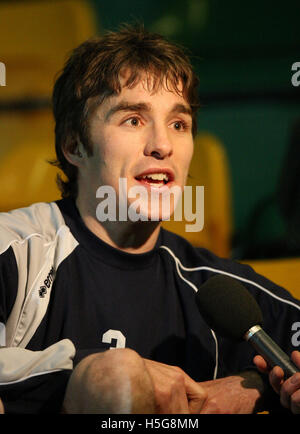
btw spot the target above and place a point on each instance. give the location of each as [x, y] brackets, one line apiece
[190, 256]
[199, 264]
[40, 220]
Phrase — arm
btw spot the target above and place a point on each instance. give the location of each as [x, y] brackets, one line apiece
[121, 381]
[23, 372]
[34, 381]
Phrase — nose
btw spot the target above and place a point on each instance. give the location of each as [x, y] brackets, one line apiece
[158, 143]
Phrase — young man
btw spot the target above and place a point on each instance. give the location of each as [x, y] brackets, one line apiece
[97, 307]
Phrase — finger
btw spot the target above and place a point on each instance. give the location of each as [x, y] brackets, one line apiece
[188, 396]
[289, 387]
[295, 402]
[276, 378]
[1, 407]
[196, 395]
[296, 358]
[169, 388]
[176, 400]
[261, 364]
[194, 392]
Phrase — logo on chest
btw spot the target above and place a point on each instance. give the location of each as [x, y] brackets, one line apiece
[47, 283]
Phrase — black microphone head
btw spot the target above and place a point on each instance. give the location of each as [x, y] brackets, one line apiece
[227, 307]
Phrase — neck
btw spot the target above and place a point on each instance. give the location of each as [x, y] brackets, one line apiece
[130, 237]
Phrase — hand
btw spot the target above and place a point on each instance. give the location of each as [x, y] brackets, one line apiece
[289, 390]
[175, 392]
[239, 394]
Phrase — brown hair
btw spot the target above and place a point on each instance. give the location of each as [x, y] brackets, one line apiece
[93, 70]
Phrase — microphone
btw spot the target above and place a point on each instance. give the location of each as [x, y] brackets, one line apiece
[231, 311]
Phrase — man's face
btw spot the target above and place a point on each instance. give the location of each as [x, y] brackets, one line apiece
[142, 136]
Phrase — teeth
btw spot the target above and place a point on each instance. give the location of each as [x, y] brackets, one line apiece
[157, 176]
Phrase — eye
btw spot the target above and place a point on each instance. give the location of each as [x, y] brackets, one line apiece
[180, 125]
[133, 121]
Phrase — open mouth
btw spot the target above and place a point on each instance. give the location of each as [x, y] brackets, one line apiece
[155, 179]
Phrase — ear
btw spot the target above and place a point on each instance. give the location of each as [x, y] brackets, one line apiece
[74, 153]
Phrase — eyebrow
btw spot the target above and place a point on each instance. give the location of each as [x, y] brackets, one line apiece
[181, 108]
[145, 107]
[127, 107]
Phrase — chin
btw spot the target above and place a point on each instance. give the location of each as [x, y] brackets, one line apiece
[155, 211]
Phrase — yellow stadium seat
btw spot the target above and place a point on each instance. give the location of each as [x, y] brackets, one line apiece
[209, 168]
[36, 38]
[285, 272]
[25, 175]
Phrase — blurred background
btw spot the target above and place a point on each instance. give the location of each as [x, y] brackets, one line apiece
[247, 151]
